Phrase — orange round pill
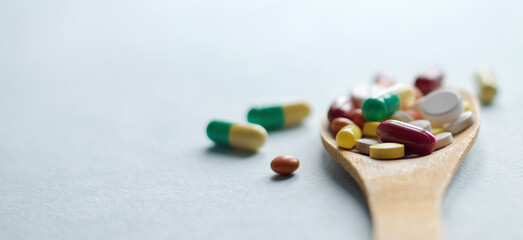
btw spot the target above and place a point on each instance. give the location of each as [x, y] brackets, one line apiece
[338, 123]
[285, 164]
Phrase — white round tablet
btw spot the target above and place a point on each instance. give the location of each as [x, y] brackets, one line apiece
[442, 106]
[425, 124]
[443, 139]
[464, 121]
[402, 116]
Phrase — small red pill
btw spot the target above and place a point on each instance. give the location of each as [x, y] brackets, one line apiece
[285, 164]
[338, 123]
[341, 107]
[429, 80]
[416, 140]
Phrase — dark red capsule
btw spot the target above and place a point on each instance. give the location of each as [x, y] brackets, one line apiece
[416, 140]
[429, 80]
[341, 107]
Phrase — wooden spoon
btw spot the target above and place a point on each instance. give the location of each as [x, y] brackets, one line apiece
[404, 196]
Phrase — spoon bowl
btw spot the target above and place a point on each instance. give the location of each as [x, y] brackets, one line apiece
[404, 195]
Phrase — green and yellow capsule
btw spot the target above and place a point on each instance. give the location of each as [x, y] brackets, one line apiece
[399, 96]
[238, 135]
[274, 117]
[486, 82]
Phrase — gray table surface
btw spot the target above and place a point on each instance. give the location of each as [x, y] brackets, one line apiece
[104, 104]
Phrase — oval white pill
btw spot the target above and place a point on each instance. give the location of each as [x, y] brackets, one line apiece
[401, 116]
[442, 106]
[425, 124]
[443, 139]
[363, 145]
[464, 121]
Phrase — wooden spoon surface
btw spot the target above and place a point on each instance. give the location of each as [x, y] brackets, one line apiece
[404, 196]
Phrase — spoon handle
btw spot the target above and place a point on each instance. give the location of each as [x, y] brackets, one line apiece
[404, 212]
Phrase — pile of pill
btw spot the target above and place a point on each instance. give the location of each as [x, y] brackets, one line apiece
[253, 135]
[386, 120]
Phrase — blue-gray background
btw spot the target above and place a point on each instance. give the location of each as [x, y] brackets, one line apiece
[103, 107]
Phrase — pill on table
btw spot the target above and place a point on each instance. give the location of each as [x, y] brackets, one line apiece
[487, 85]
[416, 140]
[437, 130]
[361, 92]
[464, 121]
[285, 164]
[387, 151]
[363, 144]
[369, 129]
[274, 117]
[347, 136]
[338, 123]
[399, 96]
[443, 139]
[429, 80]
[384, 79]
[442, 106]
[401, 116]
[425, 124]
[238, 135]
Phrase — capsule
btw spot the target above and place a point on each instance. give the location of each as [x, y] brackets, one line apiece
[347, 136]
[399, 96]
[238, 135]
[275, 117]
[416, 140]
[429, 80]
[361, 92]
[487, 85]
